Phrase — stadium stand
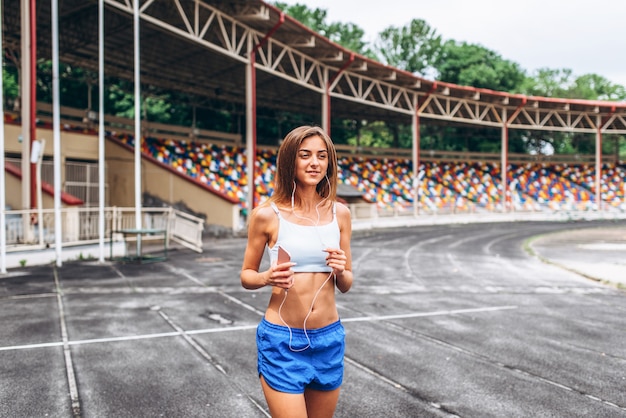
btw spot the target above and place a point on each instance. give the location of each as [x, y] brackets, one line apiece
[446, 187]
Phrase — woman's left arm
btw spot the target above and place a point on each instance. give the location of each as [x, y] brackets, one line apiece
[344, 277]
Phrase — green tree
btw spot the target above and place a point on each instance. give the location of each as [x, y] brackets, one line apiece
[314, 19]
[375, 134]
[413, 48]
[474, 65]
[10, 86]
[74, 84]
[348, 35]
[562, 83]
[596, 87]
[547, 82]
[119, 101]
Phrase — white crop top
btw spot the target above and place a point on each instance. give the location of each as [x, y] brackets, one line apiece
[306, 243]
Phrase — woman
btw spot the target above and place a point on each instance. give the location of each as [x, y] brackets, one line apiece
[300, 340]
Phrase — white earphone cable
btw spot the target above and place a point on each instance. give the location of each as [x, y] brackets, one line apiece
[315, 225]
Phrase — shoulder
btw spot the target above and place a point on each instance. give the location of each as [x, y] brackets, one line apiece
[262, 214]
[344, 218]
[263, 222]
[342, 210]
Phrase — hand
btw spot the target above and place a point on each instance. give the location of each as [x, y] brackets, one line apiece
[281, 275]
[336, 259]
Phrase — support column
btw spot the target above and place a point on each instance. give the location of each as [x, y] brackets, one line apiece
[3, 187]
[417, 175]
[251, 128]
[25, 95]
[504, 160]
[32, 99]
[599, 164]
[101, 148]
[326, 106]
[137, 118]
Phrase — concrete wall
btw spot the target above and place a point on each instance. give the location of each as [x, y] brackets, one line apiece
[166, 185]
[78, 146]
[14, 195]
[155, 179]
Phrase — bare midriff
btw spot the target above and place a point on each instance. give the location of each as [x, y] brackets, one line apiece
[299, 299]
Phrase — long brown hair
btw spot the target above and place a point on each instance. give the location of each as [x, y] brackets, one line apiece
[286, 165]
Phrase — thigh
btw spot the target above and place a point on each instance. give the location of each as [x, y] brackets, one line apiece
[281, 404]
[321, 403]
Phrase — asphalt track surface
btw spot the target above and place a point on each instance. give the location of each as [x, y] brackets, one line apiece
[466, 320]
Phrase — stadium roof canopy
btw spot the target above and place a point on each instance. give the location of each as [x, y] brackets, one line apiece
[203, 47]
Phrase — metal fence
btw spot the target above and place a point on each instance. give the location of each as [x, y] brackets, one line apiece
[81, 179]
[33, 229]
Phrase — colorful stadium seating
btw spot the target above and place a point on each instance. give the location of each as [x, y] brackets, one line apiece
[450, 186]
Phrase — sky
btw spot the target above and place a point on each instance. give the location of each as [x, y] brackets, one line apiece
[586, 36]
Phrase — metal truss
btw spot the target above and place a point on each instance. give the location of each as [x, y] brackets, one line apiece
[294, 53]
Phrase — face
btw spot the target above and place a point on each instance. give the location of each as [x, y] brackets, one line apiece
[312, 161]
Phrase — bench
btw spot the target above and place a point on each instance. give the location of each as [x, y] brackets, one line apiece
[140, 233]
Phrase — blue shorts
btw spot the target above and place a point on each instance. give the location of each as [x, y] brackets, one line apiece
[318, 367]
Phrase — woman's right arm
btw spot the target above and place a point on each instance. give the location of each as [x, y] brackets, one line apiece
[262, 220]
[257, 239]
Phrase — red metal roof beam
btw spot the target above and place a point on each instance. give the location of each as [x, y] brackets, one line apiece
[269, 34]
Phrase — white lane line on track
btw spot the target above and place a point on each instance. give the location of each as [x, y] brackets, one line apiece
[207, 356]
[192, 342]
[407, 257]
[459, 269]
[475, 237]
[67, 353]
[391, 382]
[377, 375]
[487, 247]
[357, 262]
[508, 264]
[248, 327]
[424, 314]
[30, 296]
[131, 286]
[184, 273]
[240, 303]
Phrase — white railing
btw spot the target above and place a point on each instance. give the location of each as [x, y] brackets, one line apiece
[370, 211]
[186, 230]
[34, 229]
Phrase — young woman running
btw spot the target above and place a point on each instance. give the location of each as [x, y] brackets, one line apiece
[300, 340]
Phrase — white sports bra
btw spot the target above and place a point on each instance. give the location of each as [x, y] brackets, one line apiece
[306, 243]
